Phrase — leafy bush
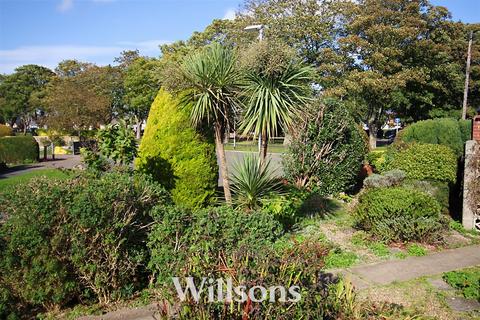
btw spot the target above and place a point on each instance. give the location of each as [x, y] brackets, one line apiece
[285, 207]
[177, 156]
[437, 189]
[326, 151]
[63, 239]
[388, 179]
[252, 181]
[19, 149]
[179, 237]
[448, 132]
[5, 130]
[423, 162]
[399, 214]
[468, 281]
[117, 142]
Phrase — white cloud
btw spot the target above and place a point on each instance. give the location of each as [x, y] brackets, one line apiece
[50, 56]
[229, 15]
[65, 5]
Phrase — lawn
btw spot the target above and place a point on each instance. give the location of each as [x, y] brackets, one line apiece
[6, 183]
[252, 146]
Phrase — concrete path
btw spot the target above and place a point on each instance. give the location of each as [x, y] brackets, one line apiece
[61, 161]
[414, 267]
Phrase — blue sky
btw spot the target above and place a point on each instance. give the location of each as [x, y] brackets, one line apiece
[47, 31]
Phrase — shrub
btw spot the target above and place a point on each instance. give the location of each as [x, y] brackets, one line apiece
[5, 130]
[326, 151]
[388, 179]
[19, 149]
[117, 142]
[177, 156]
[423, 162]
[437, 189]
[448, 132]
[86, 235]
[179, 237]
[399, 214]
[252, 181]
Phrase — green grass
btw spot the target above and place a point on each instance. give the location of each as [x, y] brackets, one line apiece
[8, 183]
[467, 281]
[252, 146]
[416, 250]
[338, 258]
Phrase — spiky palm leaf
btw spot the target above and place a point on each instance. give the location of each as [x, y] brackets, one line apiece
[252, 181]
[272, 100]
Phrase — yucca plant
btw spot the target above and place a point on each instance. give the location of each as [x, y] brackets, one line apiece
[212, 86]
[253, 180]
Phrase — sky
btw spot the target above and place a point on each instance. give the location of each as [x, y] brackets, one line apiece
[45, 32]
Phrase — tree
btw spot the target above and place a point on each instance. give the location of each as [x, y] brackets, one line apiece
[77, 102]
[212, 85]
[71, 68]
[23, 93]
[141, 86]
[276, 88]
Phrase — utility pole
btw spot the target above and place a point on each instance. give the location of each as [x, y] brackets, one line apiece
[467, 77]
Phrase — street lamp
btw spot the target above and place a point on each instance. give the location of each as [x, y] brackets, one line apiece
[259, 28]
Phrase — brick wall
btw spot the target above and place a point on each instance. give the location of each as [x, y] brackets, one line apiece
[476, 128]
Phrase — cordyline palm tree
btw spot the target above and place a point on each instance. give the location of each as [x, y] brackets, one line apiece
[272, 100]
[213, 83]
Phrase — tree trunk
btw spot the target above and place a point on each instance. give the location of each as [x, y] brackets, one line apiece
[219, 132]
[372, 136]
[263, 148]
[139, 128]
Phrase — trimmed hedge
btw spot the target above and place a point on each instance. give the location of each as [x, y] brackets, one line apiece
[178, 157]
[448, 132]
[423, 162]
[5, 130]
[399, 214]
[18, 149]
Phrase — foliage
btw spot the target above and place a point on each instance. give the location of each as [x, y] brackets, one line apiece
[285, 207]
[326, 151]
[467, 281]
[94, 160]
[179, 237]
[423, 162]
[5, 131]
[437, 189]
[73, 239]
[19, 149]
[388, 179]
[212, 81]
[252, 181]
[399, 214]
[273, 93]
[117, 142]
[22, 93]
[338, 258]
[176, 156]
[447, 132]
[379, 249]
[12, 182]
[141, 86]
[416, 250]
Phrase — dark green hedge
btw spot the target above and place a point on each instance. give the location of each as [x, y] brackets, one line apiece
[18, 149]
[448, 132]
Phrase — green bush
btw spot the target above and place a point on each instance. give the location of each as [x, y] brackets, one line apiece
[177, 156]
[388, 179]
[19, 149]
[83, 237]
[399, 214]
[448, 132]
[5, 130]
[180, 237]
[423, 162]
[327, 149]
[117, 142]
[437, 189]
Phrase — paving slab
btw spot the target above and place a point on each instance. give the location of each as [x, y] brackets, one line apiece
[140, 313]
[463, 305]
[414, 267]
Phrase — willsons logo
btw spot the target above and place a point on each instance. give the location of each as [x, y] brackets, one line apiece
[220, 290]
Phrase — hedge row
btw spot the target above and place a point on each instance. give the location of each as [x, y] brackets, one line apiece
[5, 130]
[18, 149]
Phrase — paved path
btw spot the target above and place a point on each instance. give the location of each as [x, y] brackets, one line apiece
[61, 161]
[414, 267]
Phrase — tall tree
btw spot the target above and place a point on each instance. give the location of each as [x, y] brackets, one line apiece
[141, 85]
[212, 81]
[276, 87]
[23, 94]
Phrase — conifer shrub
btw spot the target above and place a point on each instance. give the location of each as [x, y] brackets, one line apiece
[177, 156]
[18, 149]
